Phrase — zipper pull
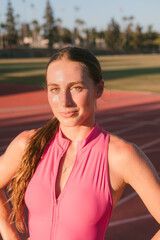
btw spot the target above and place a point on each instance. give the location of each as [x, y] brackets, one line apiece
[56, 202]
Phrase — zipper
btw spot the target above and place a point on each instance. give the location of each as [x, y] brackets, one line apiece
[54, 223]
[62, 154]
[56, 200]
[56, 203]
[54, 220]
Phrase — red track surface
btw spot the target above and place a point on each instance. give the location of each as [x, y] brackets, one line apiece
[133, 116]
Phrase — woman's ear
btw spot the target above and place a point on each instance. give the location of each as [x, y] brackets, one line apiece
[100, 88]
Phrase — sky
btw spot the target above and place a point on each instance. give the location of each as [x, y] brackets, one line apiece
[95, 13]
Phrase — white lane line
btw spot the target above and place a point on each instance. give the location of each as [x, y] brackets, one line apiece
[138, 125]
[126, 199]
[123, 116]
[153, 150]
[129, 197]
[2, 140]
[27, 108]
[111, 119]
[144, 135]
[3, 148]
[129, 220]
[115, 99]
[22, 128]
[149, 144]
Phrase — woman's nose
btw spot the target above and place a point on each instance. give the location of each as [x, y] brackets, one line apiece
[65, 98]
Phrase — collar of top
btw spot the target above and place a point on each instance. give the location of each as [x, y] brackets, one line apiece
[62, 140]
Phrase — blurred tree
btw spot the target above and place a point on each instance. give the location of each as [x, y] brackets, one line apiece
[49, 25]
[101, 34]
[35, 33]
[138, 38]
[11, 36]
[113, 36]
[156, 42]
[127, 35]
[79, 22]
[86, 33]
[92, 36]
[75, 33]
[58, 29]
[59, 21]
[128, 18]
[25, 30]
[127, 38]
[78, 29]
[36, 26]
[150, 38]
[66, 35]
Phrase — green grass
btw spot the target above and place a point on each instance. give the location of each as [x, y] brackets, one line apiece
[126, 72]
[132, 72]
[23, 71]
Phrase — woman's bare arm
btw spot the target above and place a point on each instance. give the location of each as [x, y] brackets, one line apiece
[11, 159]
[157, 236]
[142, 176]
[147, 185]
[7, 231]
[9, 163]
[129, 165]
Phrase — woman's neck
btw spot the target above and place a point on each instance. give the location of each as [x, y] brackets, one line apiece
[76, 133]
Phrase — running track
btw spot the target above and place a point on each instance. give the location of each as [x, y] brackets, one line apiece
[133, 116]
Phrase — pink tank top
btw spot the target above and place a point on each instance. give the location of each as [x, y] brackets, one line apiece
[83, 208]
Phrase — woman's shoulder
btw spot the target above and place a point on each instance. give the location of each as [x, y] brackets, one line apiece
[19, 143]
[22, 139]
[124, 157]
[122, 154]
[121, 146]
[10, 160]
[124, 150]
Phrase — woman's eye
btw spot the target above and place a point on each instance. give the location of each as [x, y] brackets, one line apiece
[54, 90]
[78, 88]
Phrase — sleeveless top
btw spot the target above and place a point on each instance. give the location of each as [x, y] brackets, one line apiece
[83, 208]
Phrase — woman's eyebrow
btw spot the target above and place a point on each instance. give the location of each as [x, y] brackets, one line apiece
[69, 84]
[52, 84]
[74, 83]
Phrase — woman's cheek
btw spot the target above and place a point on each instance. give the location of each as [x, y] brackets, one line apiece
[53, 98]
[53, 102]
[80, 98]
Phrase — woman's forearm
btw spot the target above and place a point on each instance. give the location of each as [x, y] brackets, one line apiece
[156, 236]
[7, 231]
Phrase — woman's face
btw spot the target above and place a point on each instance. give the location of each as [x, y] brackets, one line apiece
[71, 93]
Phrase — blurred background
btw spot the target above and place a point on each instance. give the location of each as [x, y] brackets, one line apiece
[125, 37]
[106, 25]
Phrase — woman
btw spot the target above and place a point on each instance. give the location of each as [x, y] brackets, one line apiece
[71, 173]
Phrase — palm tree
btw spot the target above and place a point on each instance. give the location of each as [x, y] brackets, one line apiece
[49, 24]
[79, 24]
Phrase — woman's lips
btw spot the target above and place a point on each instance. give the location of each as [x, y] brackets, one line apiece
[68, 114]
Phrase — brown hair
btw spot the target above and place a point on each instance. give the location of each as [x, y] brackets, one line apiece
[83, 56]
[43, 136]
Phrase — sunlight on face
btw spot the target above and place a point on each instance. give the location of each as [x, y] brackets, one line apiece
[71, 92]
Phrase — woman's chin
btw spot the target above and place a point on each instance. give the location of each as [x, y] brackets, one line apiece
[68, 123]
[74, 122]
